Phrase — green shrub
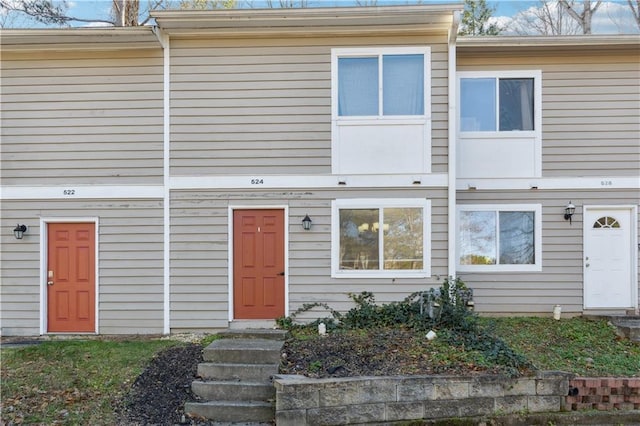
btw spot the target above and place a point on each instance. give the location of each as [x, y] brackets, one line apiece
[445, 310]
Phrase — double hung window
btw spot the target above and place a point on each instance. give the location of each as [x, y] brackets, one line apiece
[381, 85]
[496, 104]
[499, 238]
[381, 238]
[381, 110]
[499, 124]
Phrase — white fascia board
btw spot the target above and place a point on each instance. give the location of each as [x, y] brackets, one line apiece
[607, 182]
[80, 192]
[307, 182]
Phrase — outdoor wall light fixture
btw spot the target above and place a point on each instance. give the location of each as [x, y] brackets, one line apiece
[569, 210]
[306, 223]
[19, 231]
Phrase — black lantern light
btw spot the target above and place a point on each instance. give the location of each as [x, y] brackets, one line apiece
[569, 210]
[19, 231]
[306, 223]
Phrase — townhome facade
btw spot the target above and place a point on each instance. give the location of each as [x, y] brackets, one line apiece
[224, 168]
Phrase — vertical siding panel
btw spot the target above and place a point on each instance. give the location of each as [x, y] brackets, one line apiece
[590, 108]
[199, 256]
[561, 278]
[129, 255]
[264, 106]
[82, 117]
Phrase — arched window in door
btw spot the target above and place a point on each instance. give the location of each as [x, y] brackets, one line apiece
[606, 222]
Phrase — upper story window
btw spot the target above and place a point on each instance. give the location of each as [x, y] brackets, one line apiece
[490, 104]
[499, 124]
[381, 110]
[381, 85]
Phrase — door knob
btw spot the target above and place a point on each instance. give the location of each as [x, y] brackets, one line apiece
[281, 274]
[49, 282]
[586, 265]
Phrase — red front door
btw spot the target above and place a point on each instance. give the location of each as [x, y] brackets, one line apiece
[71, 277]
[258, 264]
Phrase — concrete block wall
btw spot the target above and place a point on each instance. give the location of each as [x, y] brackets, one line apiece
[303, 401]
[604, 394]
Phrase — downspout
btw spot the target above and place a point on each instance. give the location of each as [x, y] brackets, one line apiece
[166, 79]
[453, 116]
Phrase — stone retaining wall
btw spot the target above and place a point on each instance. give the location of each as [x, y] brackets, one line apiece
[604, 393]
[303, 401]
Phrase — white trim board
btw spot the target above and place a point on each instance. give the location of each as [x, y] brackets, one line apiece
[633, 229]
[230, 210]
[257, 182]
[611, 182]
[72, 191]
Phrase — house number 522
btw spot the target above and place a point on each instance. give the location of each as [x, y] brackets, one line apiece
[69, 192]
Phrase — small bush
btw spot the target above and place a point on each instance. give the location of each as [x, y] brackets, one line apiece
[444, 309]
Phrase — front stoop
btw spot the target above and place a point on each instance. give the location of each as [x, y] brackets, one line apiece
[627, 327]
[235, 384]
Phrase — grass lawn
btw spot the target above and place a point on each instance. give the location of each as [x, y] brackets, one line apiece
[71, 382]
[80, 382]
[584, 346]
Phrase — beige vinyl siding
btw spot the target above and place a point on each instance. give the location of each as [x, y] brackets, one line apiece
[200, 241]
[561, 279]
[130, 263]
[264, 105]
[82, 117]
[590, 108]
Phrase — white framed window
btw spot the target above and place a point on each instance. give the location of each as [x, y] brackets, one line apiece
[381, 238]
[500, 123]
[381, 110]
[499, 238]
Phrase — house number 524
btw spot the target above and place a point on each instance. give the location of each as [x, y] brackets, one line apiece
[257, 181]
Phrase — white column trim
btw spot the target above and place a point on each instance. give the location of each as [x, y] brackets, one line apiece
[164, 40]
[452, 160]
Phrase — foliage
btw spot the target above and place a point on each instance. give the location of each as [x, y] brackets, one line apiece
[584, 346]
[71, 382]
[475, 19]
[207, 4]
[445, 310]
[289, 323]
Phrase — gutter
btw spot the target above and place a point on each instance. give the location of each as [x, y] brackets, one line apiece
[452, 130]
[166, 199]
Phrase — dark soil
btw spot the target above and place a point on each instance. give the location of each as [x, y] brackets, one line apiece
[158, 395]
[383, 353]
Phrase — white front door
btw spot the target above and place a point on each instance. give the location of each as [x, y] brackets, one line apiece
[607, 258]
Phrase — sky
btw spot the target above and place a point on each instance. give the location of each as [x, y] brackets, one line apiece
[613, 17]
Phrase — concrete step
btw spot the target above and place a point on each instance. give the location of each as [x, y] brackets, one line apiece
[239, 372]
[627, 327]
[211, 390]
[254, 333]
[252, 412]
[243, 351]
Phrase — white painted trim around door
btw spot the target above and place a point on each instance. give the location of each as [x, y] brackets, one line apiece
[230, 210]
[633, 266]
[44, 221]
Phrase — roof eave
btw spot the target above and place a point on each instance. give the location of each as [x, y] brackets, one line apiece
[576, 42]
[103, 38]
[308, 21]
